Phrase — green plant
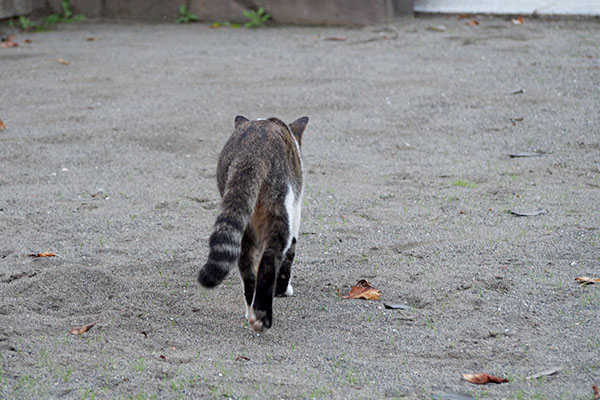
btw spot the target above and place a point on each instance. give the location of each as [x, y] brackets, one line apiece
[429, 323]
[26, 24]
[66, 16]
[67, 374]
[185, 15]
[140, 365]
[52, 19]
[256, 19]
[464, 183]
[351, 377]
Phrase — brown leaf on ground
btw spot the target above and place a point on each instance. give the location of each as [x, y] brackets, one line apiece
[336, 38]
[437, 28]
[518, 20]
[28, 41]
[242, 358]
[2, 126]
[586, 280]
[483, 378]
[79, 330]
[164, 358]
[533, 213]
[9, 42]
[363, 290]
[596, 392]
[63, 61]
[91, 39]
[473, 22]
[44, 254]
[546, 372]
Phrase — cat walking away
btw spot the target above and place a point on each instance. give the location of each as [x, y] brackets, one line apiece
[259, 176]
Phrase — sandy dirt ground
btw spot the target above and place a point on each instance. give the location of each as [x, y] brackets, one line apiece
[108, 160]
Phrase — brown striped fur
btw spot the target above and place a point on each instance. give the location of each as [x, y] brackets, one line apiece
[259, 176]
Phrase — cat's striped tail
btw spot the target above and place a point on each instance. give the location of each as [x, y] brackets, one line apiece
[225, 241]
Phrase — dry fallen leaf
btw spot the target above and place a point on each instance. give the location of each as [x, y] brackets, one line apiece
[473, 22]
[437, 28]
[44, 254]
[82, 329]
[396, 306]
[518, 21]
[586, 280]
[336, 38]
[9, 42]
[91, 38]
[164, 358]
[63, 61]
[596, 392]
[526, 154]
[533, 213]
[483, 378]
[546, 372]
[28, 41]
[242, 358]
[2, 126]
[363, 290]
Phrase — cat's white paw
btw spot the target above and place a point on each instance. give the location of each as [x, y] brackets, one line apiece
[256, 324]
[289, 291]
[258, 327]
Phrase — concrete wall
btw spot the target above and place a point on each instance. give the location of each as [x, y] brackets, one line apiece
[303, 12]
[306, 12]
[11, 8]
[116, 9]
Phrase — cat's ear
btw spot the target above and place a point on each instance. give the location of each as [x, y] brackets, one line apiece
[240, 120]
[298, 127]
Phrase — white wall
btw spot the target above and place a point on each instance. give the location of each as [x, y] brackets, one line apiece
[525, 7]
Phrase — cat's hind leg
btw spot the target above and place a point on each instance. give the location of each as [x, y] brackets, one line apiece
[284, 277]
[268, 270]
[247, 267]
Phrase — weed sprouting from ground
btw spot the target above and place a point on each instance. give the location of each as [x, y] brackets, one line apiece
[464, 183]
[185, 15]
[28, 25]
[256, 19]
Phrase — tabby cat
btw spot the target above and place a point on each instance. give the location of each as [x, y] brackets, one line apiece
[259, 176]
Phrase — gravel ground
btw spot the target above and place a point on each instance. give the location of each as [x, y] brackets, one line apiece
[108, 160]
